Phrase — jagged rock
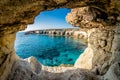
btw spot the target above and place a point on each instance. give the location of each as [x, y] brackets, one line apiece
[101, 17]
[79, 16]
[66, 73]
[27, 69]
[104, 68]
[60, 1]
[30, 69]
[113, 73]
[85, 59]
[34, 64]
[95, 55]
[22, 70]
[102, 43]
[75, 33]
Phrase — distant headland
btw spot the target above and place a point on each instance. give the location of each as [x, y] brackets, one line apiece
[71, 32]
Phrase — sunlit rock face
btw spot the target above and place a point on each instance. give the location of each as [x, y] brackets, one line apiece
[26, 69]
[74, 33]
[101, 17]
[79, 16]
[102, 38]
[30, 69]
[7, 55]
[92, 17]
[99, 48]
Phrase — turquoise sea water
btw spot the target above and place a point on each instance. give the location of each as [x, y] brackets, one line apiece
[48, 50]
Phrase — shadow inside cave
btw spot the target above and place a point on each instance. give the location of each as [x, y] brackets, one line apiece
[23, 70]
[68, 74]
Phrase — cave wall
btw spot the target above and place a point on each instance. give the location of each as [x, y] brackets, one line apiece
[99, 48]
[7, 55]
[101, 17]
[103, 37]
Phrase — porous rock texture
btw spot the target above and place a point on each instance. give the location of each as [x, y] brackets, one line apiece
[25, 70]
[100, 17]
[103, 36]
[30, 69]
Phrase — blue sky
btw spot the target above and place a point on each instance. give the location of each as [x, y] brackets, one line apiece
[51, 19]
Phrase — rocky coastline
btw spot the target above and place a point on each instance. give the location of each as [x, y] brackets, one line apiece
[31, 69]
[100, 61]
[73, 32]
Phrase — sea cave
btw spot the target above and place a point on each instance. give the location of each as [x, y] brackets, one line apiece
[50, 44]
[99, 61]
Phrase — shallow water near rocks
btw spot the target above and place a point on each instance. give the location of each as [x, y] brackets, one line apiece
[48, 50]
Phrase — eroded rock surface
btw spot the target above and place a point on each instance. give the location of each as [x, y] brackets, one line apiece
[25, 70]
[30, 69]
[98, 51]
[100, 17]
[102, 39]
[113, 73]
[74, 33]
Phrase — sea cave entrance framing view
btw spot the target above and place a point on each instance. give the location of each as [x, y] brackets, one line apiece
[51, 40]
[56, 44]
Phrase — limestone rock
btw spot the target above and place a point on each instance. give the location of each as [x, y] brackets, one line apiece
[113, 73]
[35, 65]
[66, 73]
[98, 51]
[60, 1]
[85, 59]
[101, 17]
[79, 16]
[104, 68]
[102, 43]
[75, 33]
[115, 47]
[27, 69]
[21, 70]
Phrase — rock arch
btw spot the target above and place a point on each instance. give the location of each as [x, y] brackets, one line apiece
[101, 17]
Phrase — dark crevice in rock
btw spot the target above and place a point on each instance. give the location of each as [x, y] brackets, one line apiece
[4, 58]
[10, 24]
[119, 64]
[98, 13]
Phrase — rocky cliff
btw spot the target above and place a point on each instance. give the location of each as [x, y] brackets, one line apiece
[73, 32]
[102, 36]
[100, 17]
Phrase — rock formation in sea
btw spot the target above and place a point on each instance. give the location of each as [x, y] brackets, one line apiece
[101, 57]
[72, 32]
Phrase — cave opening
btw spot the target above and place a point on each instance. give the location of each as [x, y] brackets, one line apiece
[100, 59]
[51, 40]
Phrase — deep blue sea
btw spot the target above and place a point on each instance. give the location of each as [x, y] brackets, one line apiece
[48, 50]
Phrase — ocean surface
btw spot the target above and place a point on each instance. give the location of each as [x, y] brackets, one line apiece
[49, 50]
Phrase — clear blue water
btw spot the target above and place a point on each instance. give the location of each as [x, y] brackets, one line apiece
[48, 50]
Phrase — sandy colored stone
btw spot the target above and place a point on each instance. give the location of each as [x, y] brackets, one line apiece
[101, 17]
[60, 1]
[85, 59]
[113, 73]
[66, 73]
[35, 65]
